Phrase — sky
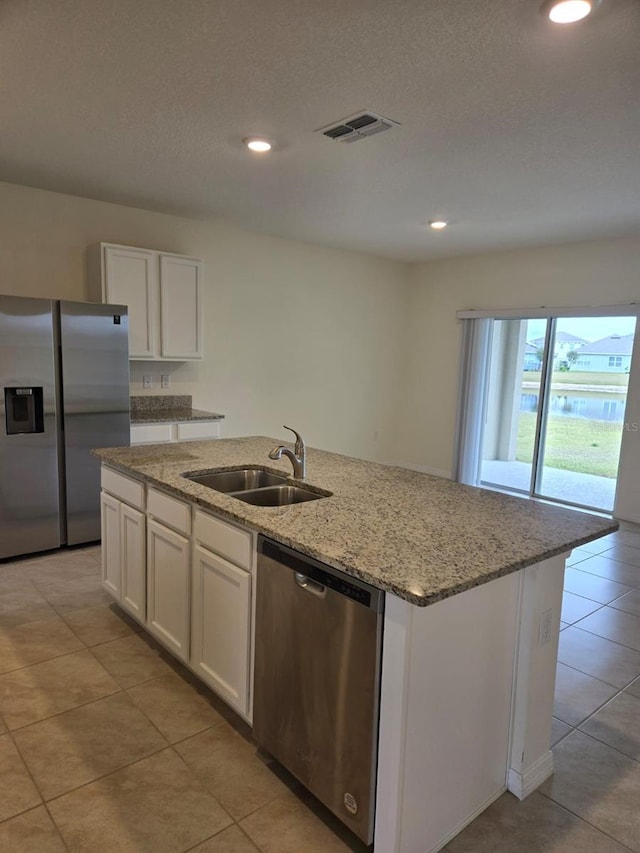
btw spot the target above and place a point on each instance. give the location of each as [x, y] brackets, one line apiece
[589, 328]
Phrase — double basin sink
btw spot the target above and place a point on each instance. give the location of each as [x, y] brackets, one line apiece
[256, 486]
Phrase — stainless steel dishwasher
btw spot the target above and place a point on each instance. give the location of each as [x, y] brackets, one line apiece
[317, 679]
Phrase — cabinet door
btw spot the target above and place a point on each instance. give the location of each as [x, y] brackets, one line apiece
[168, 588]
[131, 279]
[111, 559]
[180, 307]
[132, 545]
[221, 627]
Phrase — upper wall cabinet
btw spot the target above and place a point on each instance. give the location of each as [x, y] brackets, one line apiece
[164, 295]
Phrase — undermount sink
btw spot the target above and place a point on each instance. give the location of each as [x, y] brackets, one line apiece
[277, 496]
[237, 480]
[255, 486]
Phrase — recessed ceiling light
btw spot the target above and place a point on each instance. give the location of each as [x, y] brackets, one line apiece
[568, 11]
[257, 143]
[438, 224]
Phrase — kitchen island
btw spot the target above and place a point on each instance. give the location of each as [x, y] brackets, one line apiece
[467, 681]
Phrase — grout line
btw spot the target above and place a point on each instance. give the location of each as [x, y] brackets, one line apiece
[585, 821]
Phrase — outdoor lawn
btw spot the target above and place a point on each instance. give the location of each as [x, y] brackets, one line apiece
[578, 377]
[573, 444]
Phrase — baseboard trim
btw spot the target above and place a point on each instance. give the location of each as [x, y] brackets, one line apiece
[525, 783]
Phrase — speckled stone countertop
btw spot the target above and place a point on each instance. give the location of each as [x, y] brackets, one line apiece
[420, 537]
[167, 408]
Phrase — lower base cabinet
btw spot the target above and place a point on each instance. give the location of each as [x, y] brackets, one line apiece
[168, 588]
[220, 627]
[123, 554]
[189, 585]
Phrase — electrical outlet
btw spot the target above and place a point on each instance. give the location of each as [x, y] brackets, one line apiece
[147, 381]
[164, 380]
[544, 631]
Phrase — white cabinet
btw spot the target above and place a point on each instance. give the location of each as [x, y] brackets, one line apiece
[111, 556]
[134, 573]
[220, 627]
[123, 554]
[168, 570]
[182, 431]
[164, 296]
[188, 576]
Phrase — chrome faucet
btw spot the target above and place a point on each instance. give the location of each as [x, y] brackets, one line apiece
[296, 456]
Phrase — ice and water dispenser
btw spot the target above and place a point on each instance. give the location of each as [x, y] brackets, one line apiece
[24, 410]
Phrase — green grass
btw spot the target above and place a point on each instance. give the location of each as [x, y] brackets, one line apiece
[577, 377]
[573, 444]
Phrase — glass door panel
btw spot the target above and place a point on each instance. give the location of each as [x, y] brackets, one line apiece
[513, 400]
[584, 418]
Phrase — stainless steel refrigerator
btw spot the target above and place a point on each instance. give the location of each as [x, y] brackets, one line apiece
[64, 385]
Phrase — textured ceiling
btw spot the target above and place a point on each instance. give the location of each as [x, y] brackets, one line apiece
[520, 132]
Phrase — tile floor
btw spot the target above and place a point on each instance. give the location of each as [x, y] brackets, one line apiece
[107, 744]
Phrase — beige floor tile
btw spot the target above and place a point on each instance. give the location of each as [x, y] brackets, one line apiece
[21, 606]
[578, 695]
[58, 566]
[593, 587]
[603, 659]
[597, 546]
[612, 569]
[576, 607]
[13, 579]
[599, 785]
[634, 687]
[623, 628]
[559, 730]
[227, 765]
[175, 707]
[81, 745]
[154, 806]
[17, 791]
[535, 825]
[23, 645]
[618, 724]
[96, 625]
[232, 840]
[132, 660]
[76, 593]
[624, 537]
[287, 825]
[630, 602]
[40, 691]
[31, 832]
[624, 553]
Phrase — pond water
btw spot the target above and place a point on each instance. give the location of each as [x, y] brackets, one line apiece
[580, 404]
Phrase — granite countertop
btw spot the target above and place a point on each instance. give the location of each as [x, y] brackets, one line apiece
[420, 537]
[167, 408]
[174, 415]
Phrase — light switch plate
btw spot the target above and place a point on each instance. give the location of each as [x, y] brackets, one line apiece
[164, 380]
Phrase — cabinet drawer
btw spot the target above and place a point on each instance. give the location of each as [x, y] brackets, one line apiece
[130, 491]
[151, 433]
[200, 429]
[224, 539]
[170, 511]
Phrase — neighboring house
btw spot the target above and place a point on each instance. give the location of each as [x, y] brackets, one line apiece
[532, 357]
[608, 355]
[565, 342]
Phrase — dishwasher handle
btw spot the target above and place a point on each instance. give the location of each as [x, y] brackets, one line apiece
[322, 576]
[309, 585]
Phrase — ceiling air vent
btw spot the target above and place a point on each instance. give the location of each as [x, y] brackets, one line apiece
[357, 127]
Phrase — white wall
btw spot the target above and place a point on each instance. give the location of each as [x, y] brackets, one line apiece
[294, 333]
[595, 273]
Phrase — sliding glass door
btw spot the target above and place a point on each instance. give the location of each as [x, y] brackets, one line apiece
[554, 400]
